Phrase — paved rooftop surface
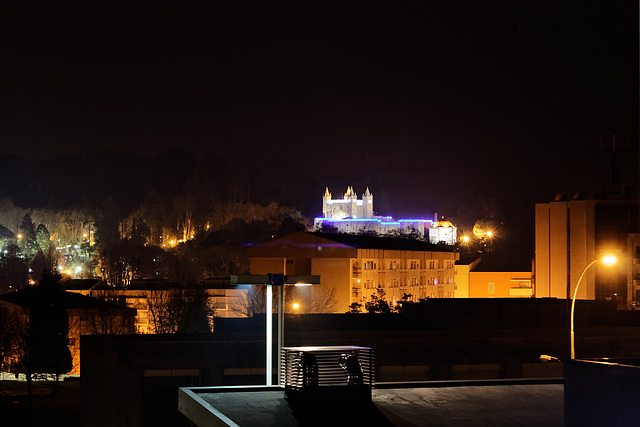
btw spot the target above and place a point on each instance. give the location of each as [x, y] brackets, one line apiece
[460, 405]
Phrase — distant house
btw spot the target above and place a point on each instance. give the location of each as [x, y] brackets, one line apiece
[474, 281]
[5, 235]
[140, 293]
[87, 316]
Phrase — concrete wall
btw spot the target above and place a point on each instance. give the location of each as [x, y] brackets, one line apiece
[602, 392]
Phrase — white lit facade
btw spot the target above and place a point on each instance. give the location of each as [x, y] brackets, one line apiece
[351, 215]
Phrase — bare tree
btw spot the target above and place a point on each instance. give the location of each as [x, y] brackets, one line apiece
[184, 208]
[108, 318]
[10, 331]
[180, 310]
[323, 299]
[312, 299]
[250, 302]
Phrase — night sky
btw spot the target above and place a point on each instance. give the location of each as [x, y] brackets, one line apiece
[471, 109]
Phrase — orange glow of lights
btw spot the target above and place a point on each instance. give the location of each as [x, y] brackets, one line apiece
[295, 306]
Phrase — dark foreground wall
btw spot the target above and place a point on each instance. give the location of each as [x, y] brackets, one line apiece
[602, 392]
[133, 380]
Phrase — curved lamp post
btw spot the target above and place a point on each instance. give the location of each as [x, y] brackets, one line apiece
[607, 260]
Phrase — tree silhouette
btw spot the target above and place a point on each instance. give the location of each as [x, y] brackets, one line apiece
[14, 272]
[180, 310]
[378, 304]
[42, 337]
[28, 230]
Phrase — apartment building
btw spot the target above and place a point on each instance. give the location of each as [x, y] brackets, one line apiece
[356, 266]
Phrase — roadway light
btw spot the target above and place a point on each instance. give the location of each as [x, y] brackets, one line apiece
[546, 358]
[296, 306]
[607, 260]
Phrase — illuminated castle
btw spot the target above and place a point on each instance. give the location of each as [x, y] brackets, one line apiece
[349, 206]
[355, 216]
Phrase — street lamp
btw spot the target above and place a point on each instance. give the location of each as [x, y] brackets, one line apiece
[607, 260]
[546, 358]
[270, 280]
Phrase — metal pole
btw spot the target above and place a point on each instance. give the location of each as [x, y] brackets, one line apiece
[280, 330]
[269, 339]
[573, 306]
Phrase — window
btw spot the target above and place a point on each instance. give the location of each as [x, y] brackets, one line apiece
[356, 292]
[492, 288]
[414, 265]
[432, 264]
[449, 264]
[369, 265]
[393, 265]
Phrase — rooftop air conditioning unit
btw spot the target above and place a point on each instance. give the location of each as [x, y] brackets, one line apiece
[337, 374]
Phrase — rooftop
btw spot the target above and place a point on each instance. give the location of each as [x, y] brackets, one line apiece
[443, 403]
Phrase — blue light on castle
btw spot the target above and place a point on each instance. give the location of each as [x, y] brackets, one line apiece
[356, 216]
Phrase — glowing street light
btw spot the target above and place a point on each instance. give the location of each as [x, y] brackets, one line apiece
[546, 358]
[270, 280]
[296, 306]
[607, 260]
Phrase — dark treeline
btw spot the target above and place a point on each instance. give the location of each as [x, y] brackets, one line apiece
[176, 216]
[88, 180]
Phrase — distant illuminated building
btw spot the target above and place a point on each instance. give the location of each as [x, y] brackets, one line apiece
[572, 233]
[355, 266]
[349, 206]
[443, 231]
[351, 215]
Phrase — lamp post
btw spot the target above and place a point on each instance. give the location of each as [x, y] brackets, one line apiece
[270, 280]
[607, 260]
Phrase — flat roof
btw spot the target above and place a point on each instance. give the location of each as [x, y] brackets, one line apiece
[444, 403]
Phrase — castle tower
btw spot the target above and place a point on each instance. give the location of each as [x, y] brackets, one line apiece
[352, 205]
[367, 204]
[326, 200]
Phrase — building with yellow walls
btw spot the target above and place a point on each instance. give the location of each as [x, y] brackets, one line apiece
[500, 284]
[570, 234]
[356, 266]
[474, 282]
